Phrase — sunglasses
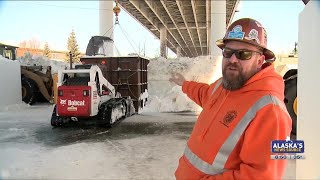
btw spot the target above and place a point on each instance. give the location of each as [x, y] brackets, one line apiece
[240, 54]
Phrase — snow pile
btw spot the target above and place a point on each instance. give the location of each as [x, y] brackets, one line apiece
[11, 78]
[197, 69]
[4, 59]
[165, 96]
[37, 60]
[10, 88]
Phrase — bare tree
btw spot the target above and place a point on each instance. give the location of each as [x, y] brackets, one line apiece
[23, 44]
[32, 43]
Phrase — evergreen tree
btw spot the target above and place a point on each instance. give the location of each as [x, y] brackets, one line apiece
[46, 50]
[73, 48]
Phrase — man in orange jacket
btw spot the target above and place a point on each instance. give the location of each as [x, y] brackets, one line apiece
[242, 112]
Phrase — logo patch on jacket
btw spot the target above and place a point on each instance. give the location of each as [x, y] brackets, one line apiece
[229, 117]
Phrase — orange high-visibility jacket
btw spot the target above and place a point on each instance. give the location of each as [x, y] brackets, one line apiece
[232, 137]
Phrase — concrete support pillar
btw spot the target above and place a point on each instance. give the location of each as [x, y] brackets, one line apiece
[106, 22]
[218, 25]
[163, 42]
[179, 54]
[308, 89]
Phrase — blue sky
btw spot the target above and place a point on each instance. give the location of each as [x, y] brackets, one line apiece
[280, 18]
[52, 22]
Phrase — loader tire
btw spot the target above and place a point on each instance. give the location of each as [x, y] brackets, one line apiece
[28, 88]
[54, 118]
[290, 93]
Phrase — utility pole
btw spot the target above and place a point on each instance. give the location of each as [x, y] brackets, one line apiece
[70, 56]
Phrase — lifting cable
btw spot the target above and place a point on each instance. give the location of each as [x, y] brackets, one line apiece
[118, 52]
[112, 27]
[127, 37]
[116, 11]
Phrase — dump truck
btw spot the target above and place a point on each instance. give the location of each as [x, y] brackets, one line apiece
[103, 89]
[36, 81]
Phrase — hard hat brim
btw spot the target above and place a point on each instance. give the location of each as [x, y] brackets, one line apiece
[269, 55]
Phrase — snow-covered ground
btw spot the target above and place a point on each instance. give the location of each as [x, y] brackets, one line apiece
[141, 147]
[145, 146]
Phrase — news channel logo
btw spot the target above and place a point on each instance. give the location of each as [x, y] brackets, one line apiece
[287, 149]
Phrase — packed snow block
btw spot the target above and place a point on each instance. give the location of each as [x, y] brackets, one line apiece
[10, 80]
[165, 96]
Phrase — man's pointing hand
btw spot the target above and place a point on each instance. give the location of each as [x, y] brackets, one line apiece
[177, 78]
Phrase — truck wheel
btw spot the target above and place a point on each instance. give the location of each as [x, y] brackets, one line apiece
[290, 93]
[28, 91]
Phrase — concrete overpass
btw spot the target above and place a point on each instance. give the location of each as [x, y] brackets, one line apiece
[188, 27]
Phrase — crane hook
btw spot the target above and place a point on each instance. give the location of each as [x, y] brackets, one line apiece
[116, 11]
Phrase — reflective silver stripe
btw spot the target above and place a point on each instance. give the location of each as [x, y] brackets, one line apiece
[216, 86]
[201, 165]
[225, 150]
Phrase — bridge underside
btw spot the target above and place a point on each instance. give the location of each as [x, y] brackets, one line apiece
[187, 22]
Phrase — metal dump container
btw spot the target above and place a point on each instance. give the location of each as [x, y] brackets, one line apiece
[129, 76]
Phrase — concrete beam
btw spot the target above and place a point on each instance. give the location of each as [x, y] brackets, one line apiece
[185, 22]
[163, 2]
[233, 12]
[156, 11]
[137, 5]
[172, 27]
[194, 9]
[196, 46]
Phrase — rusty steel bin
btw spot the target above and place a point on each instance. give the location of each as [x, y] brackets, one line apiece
[129, 75]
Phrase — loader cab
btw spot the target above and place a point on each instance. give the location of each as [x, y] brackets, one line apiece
[81, 75]
[8, 51]
[76, 79]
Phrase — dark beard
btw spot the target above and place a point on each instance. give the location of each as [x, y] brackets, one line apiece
[234, 83]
